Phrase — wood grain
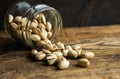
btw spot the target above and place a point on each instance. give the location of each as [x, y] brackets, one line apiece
[15, 62]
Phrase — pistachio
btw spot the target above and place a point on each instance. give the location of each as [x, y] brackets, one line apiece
[49, 34]
[61, 58]
[14, 25]
[36, 31]
[83, 62]
[43, 36]
[58, 53]
[60, 45]
[64, 64]
[88, 55]
[48, 41]
[49, 26]
[51, 56]
[76, 46]
[68, 47]
[40, 43]
[51, 59]
[51, 62]
[44, 31]
[46, 51]
[79, 52]
[29, 23]
[48, 46]
[35, 37]
[34, 25]
[18, 19]
[72, 54]
[24, 21]
[55, 47]
[40, 55]
[65, 52]
[34, 51]
[42, 19]
[41, 26]
[10, 18]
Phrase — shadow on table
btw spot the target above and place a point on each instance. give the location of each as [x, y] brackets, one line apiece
[6, 44]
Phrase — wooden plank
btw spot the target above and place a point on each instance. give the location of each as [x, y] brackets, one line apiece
[15, 62]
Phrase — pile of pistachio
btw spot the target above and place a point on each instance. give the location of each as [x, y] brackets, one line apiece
[53, 53]
[39, 28]
[60, 52]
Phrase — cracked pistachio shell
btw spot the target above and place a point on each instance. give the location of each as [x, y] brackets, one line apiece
[60, 45]
[42, 19]
[72, 54]
[40, 55]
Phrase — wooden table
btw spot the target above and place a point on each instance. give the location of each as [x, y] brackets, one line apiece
[104, 41]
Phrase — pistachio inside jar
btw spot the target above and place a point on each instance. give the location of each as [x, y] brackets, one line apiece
[35, 25]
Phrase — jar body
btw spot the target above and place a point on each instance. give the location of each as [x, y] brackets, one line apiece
[27, 23]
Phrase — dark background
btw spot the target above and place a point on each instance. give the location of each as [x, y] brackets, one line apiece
[76, 13]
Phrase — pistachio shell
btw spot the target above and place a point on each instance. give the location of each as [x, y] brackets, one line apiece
[14, 25]
[76, 46]
[49, 26]
[83, 62]
[63, 64]
[24, 22]
[65, 52]
[18, 19]
[72, 54]
[43, 36]
[46, 51]
[49, 34]
[10, 18]
[40, 55]
[88, 55]
[41, 26]
[68, 47]
[42, 19]
[60, 45]
[34, 51]
[40, 43]
[35, 37]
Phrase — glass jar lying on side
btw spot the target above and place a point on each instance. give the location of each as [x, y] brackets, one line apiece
[35, 25]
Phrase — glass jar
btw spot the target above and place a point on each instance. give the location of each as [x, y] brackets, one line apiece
[23, 20]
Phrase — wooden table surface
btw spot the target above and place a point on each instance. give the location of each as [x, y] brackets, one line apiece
[104, 41]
